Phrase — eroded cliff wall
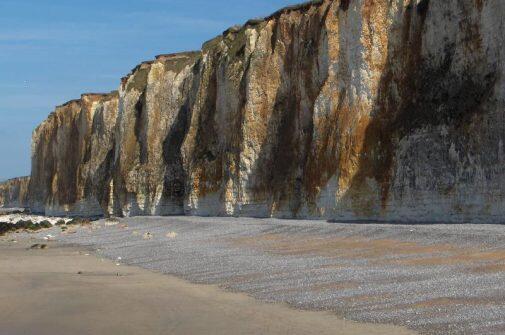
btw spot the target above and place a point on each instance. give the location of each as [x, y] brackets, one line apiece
[72, 157]
[345, 109]
[14, 193]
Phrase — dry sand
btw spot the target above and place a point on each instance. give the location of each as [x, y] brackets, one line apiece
[67, 290]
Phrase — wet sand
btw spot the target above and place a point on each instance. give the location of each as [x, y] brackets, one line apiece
[68, 290]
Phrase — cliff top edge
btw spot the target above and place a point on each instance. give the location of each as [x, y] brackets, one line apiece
[98, 96]
[187, 54]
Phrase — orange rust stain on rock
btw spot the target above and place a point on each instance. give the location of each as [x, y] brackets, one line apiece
[282, 159]
[479, 4]
[344, 4]
[322, 162]
[345, 136]
[375, 34]
[207, 178]
[376, 160]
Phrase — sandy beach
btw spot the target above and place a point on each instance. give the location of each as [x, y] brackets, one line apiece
[68, 290]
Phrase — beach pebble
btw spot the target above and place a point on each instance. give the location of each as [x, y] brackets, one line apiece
[171, 234]
[39, 246]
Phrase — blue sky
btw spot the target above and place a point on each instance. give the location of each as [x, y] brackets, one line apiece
[51, 51]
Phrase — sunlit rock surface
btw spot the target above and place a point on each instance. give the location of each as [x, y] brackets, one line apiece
[14, 193]
[72, 157]
[345, 110]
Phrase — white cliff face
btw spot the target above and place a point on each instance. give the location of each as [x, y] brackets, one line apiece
[350, 109]
[450, 169]
[154, 112]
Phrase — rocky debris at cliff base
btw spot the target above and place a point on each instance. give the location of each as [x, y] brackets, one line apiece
[19, 221]
[79, 222]
[36, 219]
[111, 222]
[38, 246]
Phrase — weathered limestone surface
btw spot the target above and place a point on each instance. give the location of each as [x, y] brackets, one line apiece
[344, 109]
[72, 157]
[154, 106]
[14, 192]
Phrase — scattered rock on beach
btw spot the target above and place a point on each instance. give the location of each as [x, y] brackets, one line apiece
[110, 222]
[171, 234]
[49, 237]
[79, 221]
[39, 246]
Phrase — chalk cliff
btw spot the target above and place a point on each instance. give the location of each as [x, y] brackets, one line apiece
[345, 109]
[72, 157]
[14, 192]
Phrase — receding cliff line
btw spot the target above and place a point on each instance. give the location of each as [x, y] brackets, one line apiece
[345, 110]
[14, 192]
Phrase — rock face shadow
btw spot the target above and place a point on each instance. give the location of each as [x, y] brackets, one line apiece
[421, 94]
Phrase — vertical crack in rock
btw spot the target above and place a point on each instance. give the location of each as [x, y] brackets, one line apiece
[175, 180]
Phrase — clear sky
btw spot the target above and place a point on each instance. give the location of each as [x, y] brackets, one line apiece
[51, 51]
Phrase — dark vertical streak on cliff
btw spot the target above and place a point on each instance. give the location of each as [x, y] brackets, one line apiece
[429, 95]
[67, 175]
[207, 155]
[344, 4]
[281, 167]
[101, 185]
[175, 180]
[174, 186]
[141, 124]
